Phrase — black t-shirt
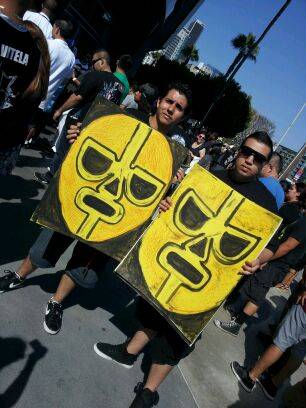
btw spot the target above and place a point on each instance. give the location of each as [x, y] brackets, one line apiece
[19, 61]
[174, 132]
[289, 212]
[296, 230]
[254, 190]
[96, 83]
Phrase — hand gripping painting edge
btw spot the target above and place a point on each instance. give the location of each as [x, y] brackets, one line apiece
[111, 181]
[187, 261]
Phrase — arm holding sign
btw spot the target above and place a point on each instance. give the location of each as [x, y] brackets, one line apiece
[250, 267]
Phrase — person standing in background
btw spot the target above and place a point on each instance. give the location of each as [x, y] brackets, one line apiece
[124, 63]
[42, 19]
[24, 74]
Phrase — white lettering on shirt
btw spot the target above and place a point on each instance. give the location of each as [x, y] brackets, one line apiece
[14, 55]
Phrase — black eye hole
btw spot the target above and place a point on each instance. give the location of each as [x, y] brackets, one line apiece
[95, 162]
[231, 245]
[141, 189]
[191, 215]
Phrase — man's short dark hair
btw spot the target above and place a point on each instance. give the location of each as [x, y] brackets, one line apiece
[125, 62]
[106, 54]
[277, 161]
[261, 137]
[51, 5]
[183, 89]
[66, 28]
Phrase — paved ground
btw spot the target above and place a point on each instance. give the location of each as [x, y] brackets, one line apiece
[43, 371]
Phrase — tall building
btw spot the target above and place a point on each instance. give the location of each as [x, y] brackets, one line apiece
[183, 38]
[294, 163]
[203, 68]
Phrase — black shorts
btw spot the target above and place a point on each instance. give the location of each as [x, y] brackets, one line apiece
[167, 347]
[84, 265]
[257, 286]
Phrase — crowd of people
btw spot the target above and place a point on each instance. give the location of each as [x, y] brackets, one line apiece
[40, 85]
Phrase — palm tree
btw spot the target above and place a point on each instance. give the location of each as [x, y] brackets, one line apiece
[190, 53]
[246, 46]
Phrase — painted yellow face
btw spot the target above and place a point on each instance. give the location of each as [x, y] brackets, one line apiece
[119, 181]
[191, 255]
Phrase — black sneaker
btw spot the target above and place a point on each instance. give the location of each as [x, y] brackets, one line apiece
[268, 387]
[43, 178]
[53, 317]
[242, 376]
[231, 327]
[145, 398]
[117, 353]
[10, 280]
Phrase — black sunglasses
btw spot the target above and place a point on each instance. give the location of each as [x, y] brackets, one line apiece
[248, 151]
[96, 60]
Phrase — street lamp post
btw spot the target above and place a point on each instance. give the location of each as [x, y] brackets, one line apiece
[290, 126]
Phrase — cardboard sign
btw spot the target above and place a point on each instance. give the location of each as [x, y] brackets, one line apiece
[187, 261]
[111, 180]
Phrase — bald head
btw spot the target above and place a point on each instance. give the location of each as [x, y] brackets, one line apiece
[273, 167]
[101, 61]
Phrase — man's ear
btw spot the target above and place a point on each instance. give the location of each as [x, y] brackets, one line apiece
[158, 102]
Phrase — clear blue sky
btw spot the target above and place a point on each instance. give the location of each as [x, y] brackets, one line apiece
[277, 81]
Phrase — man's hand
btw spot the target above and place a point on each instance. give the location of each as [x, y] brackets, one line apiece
[165, 204]
[179, 176]
[73, 132]
[250, 267]
[288, 279]
[57, 114]
[302, 298]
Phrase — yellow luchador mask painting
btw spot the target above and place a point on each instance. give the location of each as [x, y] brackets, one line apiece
[190, 256]
[111, 181]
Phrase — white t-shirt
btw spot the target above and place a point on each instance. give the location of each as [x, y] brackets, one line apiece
[62, 63]
[41, 20]
[129, 102]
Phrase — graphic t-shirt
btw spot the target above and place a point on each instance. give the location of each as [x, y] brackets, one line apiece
[296, 230]
[19, 60]
[123, 79]
[96, 83]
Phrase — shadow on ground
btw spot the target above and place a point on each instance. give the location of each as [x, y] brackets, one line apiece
[12, 350]
[18, 232]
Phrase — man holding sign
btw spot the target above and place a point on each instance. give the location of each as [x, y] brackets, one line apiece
[168, 347]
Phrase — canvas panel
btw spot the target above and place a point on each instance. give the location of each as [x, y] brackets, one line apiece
[111, 180]
[188, 260]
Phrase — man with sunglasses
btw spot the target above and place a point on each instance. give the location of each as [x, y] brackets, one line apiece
[167, 347]
[98, 81]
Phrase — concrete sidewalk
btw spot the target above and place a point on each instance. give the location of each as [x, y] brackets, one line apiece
[43, 371]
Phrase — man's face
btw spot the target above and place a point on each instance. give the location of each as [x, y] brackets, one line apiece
[98, 61]
[250, 159]
[171, 108]
[266, 170]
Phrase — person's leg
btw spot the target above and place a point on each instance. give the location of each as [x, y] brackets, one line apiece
[44, 253]
[64, 289]
[250, 308]
[270, 356]
[140, 339]
[26, 268]
[285, 372]
[157, 375]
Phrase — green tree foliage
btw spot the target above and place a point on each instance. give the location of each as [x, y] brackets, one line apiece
[245, 46]
[231, 114]
[190, 53]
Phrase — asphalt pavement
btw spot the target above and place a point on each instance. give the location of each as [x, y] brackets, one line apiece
[38, 370]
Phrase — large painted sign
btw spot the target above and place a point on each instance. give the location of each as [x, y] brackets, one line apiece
[111, 181]
[188, 260]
